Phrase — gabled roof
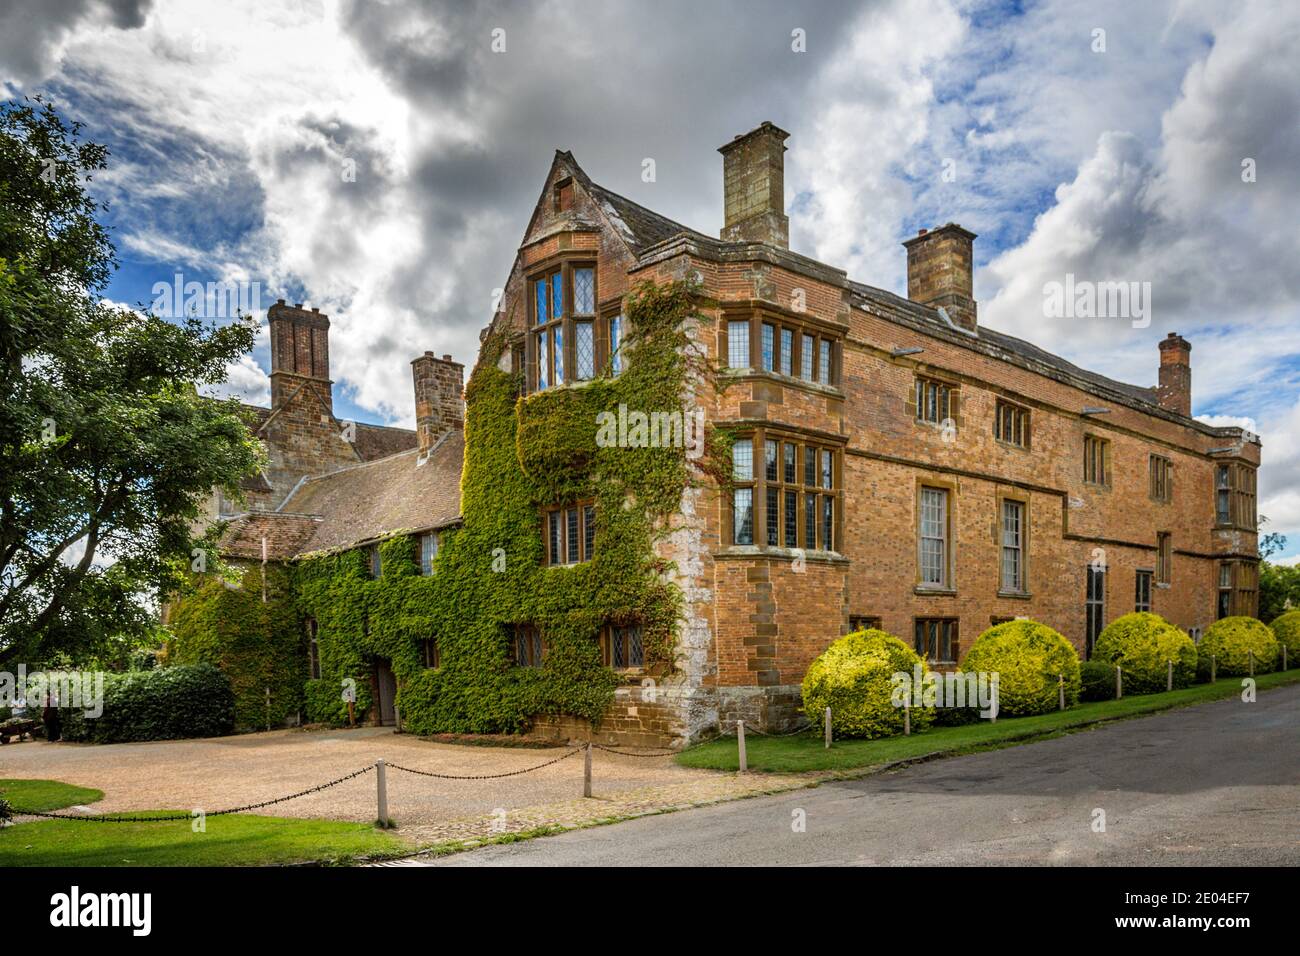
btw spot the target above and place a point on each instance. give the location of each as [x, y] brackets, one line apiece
[364, 502]
[640, 227]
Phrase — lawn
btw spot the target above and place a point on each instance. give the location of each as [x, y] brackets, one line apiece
[46, 795]
[236, 840]
[806, 752]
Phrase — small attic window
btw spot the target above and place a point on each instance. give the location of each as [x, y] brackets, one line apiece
[563, 195]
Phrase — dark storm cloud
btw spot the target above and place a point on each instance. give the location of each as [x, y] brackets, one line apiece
[31, 31]
[616, 83]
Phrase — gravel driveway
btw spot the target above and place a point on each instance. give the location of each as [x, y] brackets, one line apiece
[220, 772]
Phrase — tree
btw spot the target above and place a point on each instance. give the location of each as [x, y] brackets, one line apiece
[107, 450]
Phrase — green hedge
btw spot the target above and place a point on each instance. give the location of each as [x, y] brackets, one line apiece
[1096, 681]
[258, 644]
[1229, 642]
[1027, 657]
[163, 704]
[1286, 629]
[854, 678]
[1143, 644]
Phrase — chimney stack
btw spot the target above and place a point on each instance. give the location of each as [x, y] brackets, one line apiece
[1175, 389]
[940, 272]
[439, 406]
[300, 352]
[753, 184]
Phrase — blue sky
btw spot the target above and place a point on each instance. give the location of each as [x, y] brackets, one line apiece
[1102, 139]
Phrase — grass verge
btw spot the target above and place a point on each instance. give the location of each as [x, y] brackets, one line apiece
[43, 796]
[235, 840]
[806, 752]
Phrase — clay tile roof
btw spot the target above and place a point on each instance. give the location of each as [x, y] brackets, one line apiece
[641, 227]
[367, 501]
[285, 535]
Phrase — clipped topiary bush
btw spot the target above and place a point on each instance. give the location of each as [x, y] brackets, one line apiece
[1027, 657]
[854, 678]
[1143, 644]
[1231, 640]
[1096, 681]
[168, 703]
[1287, 631]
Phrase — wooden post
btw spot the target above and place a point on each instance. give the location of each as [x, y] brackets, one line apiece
[381, 784]
[1060, 690]
[352, 714]
[1284, 664]
[268, 708]
[586, 772]
[1119, 682]
[907, 716]
[1214, 667]
[1169, 681]
[828, 728]
[740, 743]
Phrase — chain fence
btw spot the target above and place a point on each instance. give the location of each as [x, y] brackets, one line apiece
[189, 816]
[371, 768]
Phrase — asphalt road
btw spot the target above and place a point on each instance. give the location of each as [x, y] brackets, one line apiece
[1216, 784]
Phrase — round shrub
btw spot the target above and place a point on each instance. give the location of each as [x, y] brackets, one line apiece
[1143, 644]
[1028, 657]
[1230, 641]
[854, 678]
[1096, 681]
[1287, 631]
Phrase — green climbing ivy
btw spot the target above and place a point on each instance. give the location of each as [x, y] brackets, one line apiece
[256, 642]
[521, 455]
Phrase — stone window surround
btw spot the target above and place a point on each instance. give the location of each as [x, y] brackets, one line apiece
[758, 314]
[949, 586]
[1025, 592]
[1242, 496]
[802, 442]
[565, 262]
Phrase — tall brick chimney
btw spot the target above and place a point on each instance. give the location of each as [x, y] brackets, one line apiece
[439, 406]
[300, 352]
[1175, 389]
[753, 185]
[940, 272]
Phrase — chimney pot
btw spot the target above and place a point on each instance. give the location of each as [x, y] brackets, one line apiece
[753, 183]
[439, 403]
[940, 272]
[299, 351]
[1174, 390]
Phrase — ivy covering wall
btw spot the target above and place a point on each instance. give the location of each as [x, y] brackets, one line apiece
[257, 644]
[523, 454]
